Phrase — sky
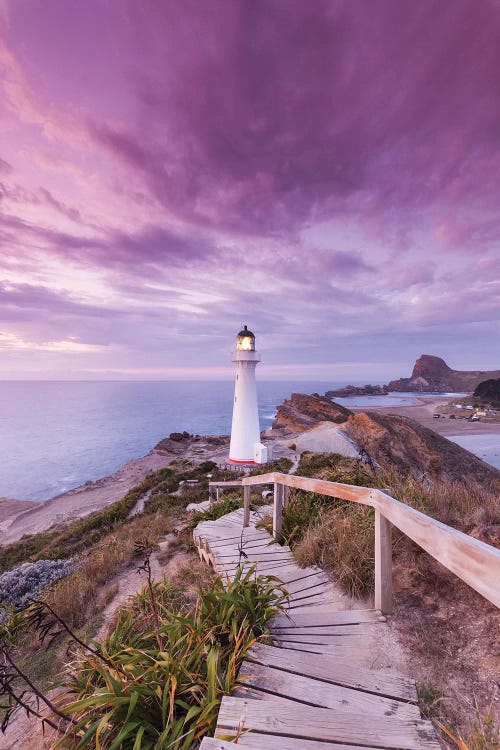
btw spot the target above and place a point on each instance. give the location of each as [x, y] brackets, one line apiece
[326, 172]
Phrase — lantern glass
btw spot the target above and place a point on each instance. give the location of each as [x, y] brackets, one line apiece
[245, 341]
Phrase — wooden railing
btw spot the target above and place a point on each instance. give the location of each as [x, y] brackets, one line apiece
[473, 561]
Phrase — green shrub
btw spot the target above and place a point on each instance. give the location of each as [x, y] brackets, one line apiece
[166, 672]
[217, 509]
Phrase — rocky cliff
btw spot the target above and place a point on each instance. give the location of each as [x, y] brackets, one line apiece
[300, 412]
[409, 447]
[433, 374]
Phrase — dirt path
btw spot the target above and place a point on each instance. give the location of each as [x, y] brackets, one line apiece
[131, 582]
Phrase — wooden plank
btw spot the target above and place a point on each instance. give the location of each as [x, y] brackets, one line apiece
[356, 629]
[259, 542]
[329, 669]
[328, 619]
[256, 741]
[383, 563]
[308, 584]
[311, 601]
[322, 487]
[322, 724]
[266, 554]
[337, 641]
[313, 692]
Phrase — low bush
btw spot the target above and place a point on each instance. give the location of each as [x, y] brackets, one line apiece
[161, 674]
[20, 586]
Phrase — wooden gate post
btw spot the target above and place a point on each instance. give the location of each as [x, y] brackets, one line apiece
[277, 510]
[246, 505]
[383, 563]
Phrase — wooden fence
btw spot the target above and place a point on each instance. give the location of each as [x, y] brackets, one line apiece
[473, 561]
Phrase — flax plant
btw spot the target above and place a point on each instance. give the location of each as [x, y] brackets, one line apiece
[155, 698]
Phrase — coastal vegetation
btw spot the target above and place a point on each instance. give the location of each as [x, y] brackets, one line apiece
[489, 392]
[158, 677]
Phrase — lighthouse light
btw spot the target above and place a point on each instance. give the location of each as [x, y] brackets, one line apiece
[245, 341]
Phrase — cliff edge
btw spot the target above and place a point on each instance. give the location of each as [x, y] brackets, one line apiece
[301, 412]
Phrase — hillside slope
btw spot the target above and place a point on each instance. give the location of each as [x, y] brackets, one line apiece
[409, 447]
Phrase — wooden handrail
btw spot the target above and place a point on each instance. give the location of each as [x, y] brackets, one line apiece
[473, 561]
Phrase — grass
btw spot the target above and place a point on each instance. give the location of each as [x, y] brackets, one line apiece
[167, 668]
[71, 539]
[339, 535]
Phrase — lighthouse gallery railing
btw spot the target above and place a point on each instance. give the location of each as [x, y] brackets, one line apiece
[473, 561]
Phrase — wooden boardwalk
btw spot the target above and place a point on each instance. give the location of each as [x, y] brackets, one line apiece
[311, 690]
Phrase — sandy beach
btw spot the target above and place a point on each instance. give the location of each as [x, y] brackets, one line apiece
[423, 410]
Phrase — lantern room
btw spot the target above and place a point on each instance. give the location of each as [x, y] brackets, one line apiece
[245, 341]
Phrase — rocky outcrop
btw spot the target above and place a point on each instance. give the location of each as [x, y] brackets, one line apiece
[402, 443]
[300, 412]
[433, 374]
[353, 390]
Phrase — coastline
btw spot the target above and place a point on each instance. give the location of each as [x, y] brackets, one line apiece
[19, 517]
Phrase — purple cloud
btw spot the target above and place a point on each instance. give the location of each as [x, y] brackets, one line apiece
[328, 173]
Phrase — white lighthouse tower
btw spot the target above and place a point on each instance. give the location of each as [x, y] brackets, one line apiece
[246, 447]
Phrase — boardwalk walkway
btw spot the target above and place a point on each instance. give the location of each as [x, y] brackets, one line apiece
[311, 690]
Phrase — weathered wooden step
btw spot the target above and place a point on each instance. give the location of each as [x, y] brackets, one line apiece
[332, 670]
[327, 725]
[257, 741]
[275, 682]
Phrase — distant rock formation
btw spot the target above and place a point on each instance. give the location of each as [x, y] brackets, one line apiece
[353, 390]
[433, 374]
[300, 412]
[409, 447]
[488, 391]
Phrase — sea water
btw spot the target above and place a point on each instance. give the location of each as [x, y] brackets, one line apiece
[485, 446]
[55, 436]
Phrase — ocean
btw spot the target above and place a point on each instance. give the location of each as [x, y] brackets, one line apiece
[56, 435]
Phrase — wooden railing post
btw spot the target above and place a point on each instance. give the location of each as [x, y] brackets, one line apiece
[286, 495]
[383, 563]
[277, 510]
[246, 505]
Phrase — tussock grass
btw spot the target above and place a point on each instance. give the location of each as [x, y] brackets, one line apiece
[339, 535]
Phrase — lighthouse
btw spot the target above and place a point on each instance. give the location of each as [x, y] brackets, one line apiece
[246, 447]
